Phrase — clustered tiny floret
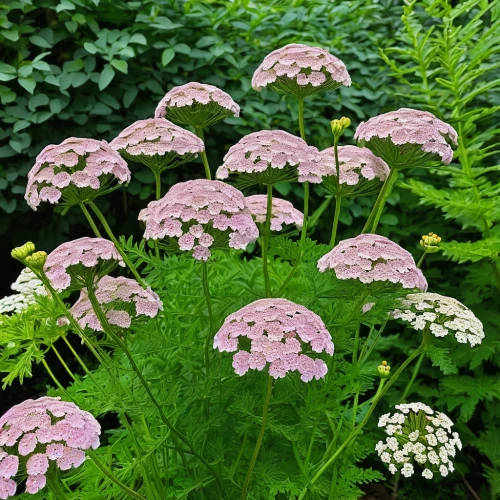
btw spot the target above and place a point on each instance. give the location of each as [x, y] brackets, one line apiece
[74, 162]
[272, 149]
[122, 300]
[441, 315]
[156, 136]
[411, 126]
[87, 252]
[282, 212]
[373, 258]
[194, 92]
[303, 65]
[42, 431]
[195, 211]
[27, 286]
[418, 437]
[278, 331]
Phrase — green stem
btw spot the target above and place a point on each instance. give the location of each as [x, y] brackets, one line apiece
[301, 119]
[363, 357]
[338, 204]
[421, 260]
[260, 437]
[354, 365]
[157, 175]
[53, 377]
[203, 154]
[61, 360]
[383, 388]
[265, 239]
[90, 220]
[111, 476]
[55, 487]
[413, 376]
[206, 291]
[373, 219]
[105, 224]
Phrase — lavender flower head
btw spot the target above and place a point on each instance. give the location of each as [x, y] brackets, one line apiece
[300, 70]
[197, 104]
[121, 299]
[77, 170]
[373, 259]
[418, 437]
[157, 143]
[271, 156]
[279, 331]
[408, 137]
[441, 315]
[200, 215]
[282, 212]
[361, 172]
[45, 433]
[72, 264]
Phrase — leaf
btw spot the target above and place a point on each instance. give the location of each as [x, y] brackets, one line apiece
[107, 75]
[167, 55]
[138, 38]
[28, 84]
[467, 251]
[120, 65]
[40, 42]
[440, 358]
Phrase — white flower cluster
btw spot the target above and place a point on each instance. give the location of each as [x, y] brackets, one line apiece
[26, 286]
[418, 436]
[441, 315]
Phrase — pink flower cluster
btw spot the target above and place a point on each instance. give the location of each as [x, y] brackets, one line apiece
[122, 299]
[192, 93]
[373, 258]
[87, 252]
[272, 149]
[282, 212]
[191, 210]
[43, 430]
[156, 136]
[411, 126]
[355, 164]
[302, 64]
[278, 331]
[77, 162]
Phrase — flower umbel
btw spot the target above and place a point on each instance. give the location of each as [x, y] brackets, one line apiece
[27, 286]
[282, 212]
[430, 242]
[279, 331]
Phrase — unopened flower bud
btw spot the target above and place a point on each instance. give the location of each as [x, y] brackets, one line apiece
[20, 253]
[384, 370]
[36, 260]
[338, 126]
[430, 242]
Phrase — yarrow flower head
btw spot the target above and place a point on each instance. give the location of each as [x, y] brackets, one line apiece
[408, 137]
[418, 437]
[197, 104]
[200, 215]
[441, 315]
[373, 259]
[282, 212]
[122, 301]
[300, 70]
[46, 433]
[74, 264]
[75, 171]
[279, 331]
[157, 143]
[361, 173]
[27, 286]
[271, 156]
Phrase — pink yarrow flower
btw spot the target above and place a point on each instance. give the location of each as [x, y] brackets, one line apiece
[371, 258]
[157, 143]
[77, 170]
[122, 300]
[73, 263]
[399, 129]
[279, 331]
[361, 172]
[271, 156]
[197, 104]
[282, 212]
[301, 70]
[196, 213]
[42, 431]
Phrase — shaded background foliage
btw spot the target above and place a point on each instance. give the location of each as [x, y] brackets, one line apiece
[91, 67]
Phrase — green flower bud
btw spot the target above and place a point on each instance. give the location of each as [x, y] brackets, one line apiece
[384, 370]
[338, 126]
[20, 253]
[36, 260]
[430, 242]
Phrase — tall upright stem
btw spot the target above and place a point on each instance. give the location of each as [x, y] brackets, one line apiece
[414, 375]
[90, 220]
[157, 175]
[55, 487]
[338, 205]
[265, 242]
[203, 154]
[259, 438]
[105, 224]
[301, 119]
[421, 260]
[376, 213]
[206, 291]
[338, 196]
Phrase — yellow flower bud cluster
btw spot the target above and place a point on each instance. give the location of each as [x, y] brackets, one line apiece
[27, 255]
[338, 126]
[430, 242]
[384, 370]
